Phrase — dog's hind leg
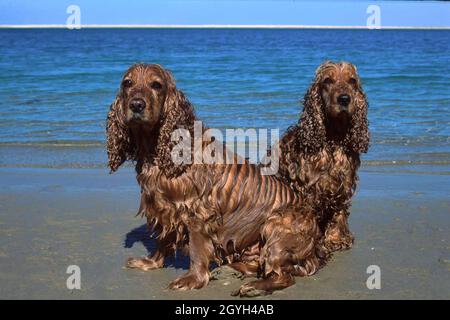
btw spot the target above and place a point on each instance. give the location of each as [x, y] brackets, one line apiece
[265, 285]
[290, 238]
[244, 265]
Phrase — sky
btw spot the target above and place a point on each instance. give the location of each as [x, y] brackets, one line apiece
[227, 12]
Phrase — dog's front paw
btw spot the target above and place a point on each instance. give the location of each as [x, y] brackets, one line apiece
[189, 281]
[144, 264]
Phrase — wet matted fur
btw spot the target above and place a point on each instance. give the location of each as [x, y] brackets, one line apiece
[223, 213]
[320, 155]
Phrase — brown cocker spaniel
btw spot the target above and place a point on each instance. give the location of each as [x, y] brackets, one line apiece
[227, 213]
[320, 155]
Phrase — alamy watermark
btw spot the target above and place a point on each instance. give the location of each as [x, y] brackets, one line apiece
[74, 280]
[74, 19]
[209, 147]
[374, 18]
[374, 280]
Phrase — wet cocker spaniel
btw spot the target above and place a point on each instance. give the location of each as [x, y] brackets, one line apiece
[227, 213]
[320, 155]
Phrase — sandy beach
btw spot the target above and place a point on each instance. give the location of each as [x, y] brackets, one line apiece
[242, 65]
[53, 218]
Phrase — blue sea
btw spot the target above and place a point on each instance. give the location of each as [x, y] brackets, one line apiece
[56, 86]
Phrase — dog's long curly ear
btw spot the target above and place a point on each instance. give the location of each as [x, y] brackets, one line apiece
[312, 135]
[359, 133]
[119, 144]
[177, 113]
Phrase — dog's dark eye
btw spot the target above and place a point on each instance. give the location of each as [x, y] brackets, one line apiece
[327, 81]
[127, 83]
[352, 81]
[156, 85]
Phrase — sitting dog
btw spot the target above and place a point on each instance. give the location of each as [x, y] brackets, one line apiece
[320, 155]
[217, 212]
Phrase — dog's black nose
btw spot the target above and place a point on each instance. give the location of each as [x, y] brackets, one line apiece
[344, 100]
[137, 105]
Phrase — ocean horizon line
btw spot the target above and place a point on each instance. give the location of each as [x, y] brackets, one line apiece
[212, 26]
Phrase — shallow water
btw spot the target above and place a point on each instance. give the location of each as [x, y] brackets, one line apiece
[56, 85]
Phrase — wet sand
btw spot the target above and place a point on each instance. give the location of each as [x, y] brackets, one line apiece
[53, 218]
